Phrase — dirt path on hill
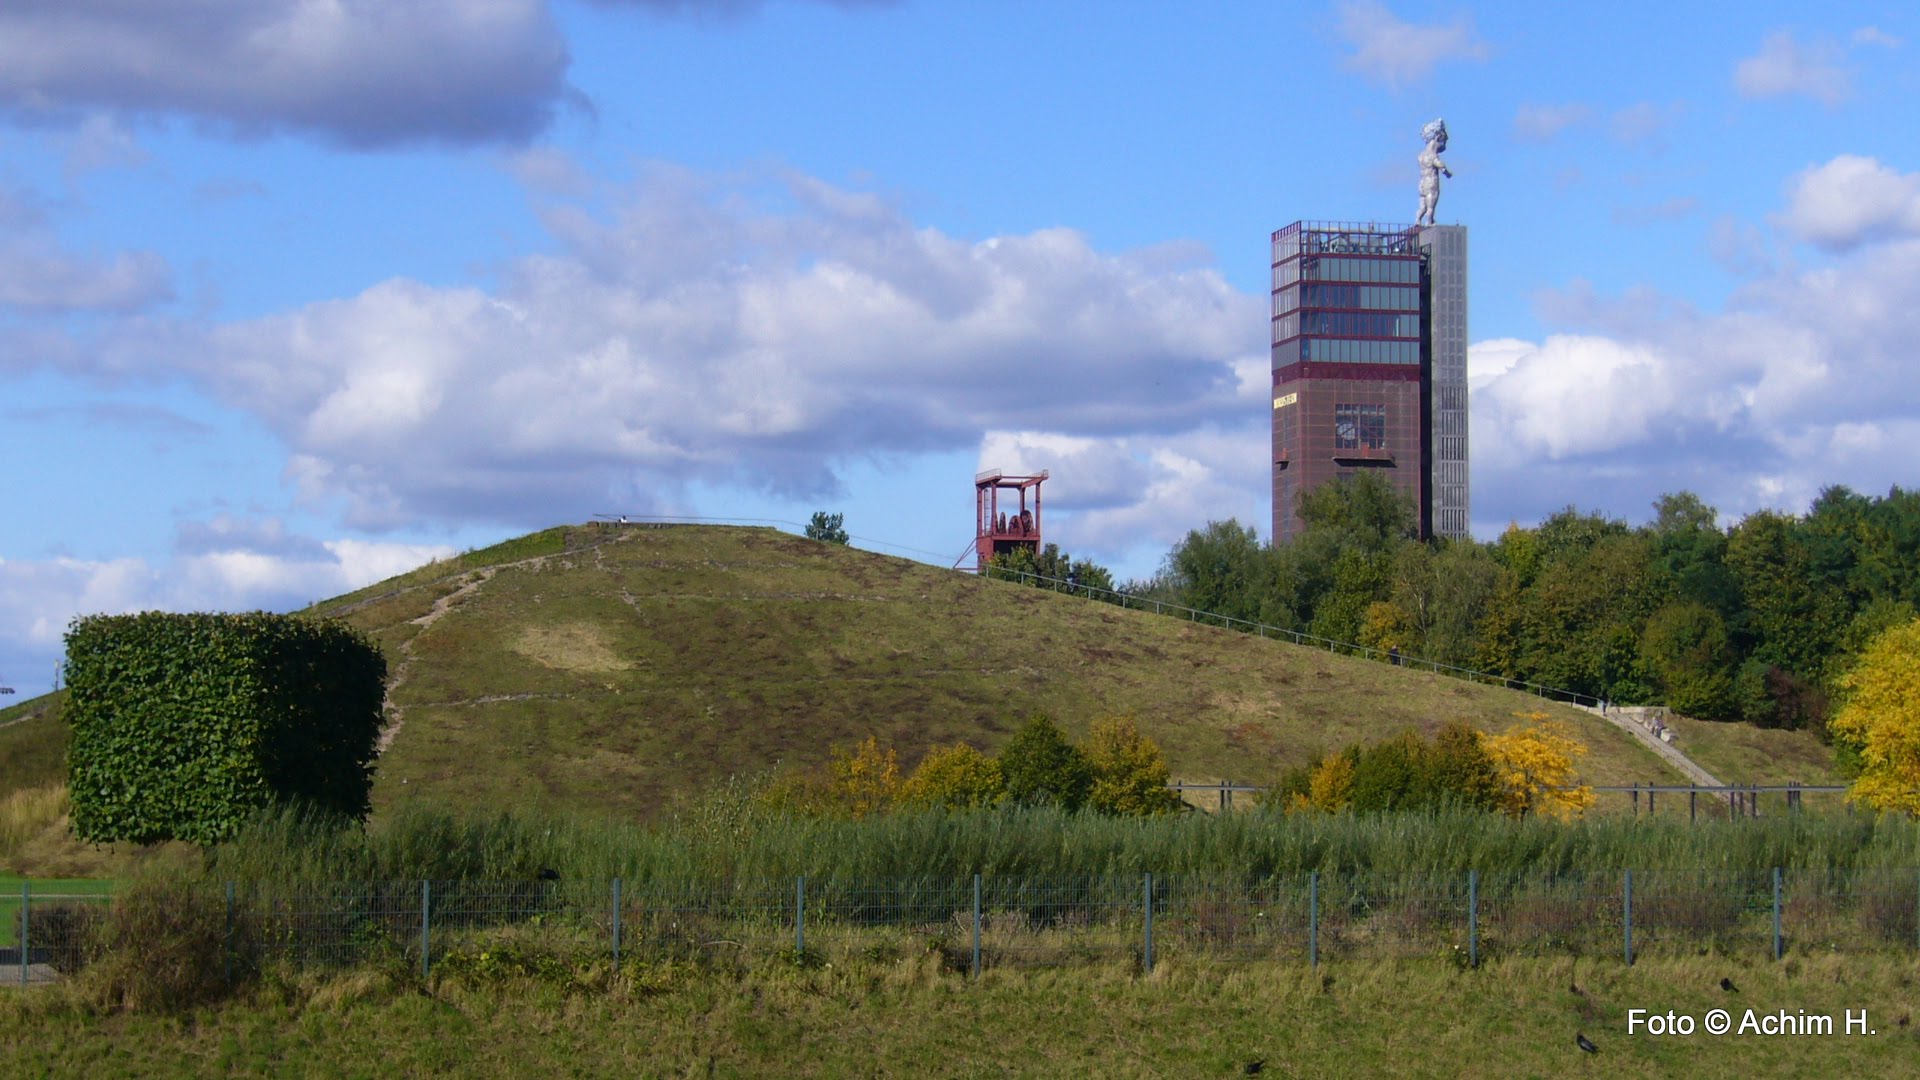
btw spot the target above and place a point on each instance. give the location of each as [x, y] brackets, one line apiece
[396, 716]
[470, 583]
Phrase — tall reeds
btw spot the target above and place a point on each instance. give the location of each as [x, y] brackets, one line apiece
[729, 836]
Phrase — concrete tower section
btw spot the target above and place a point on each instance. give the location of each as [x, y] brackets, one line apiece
[1446, 249]
[1369, 365]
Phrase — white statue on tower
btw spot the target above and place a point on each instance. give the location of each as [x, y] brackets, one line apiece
[1431, 170]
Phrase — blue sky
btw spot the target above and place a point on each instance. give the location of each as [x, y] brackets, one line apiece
[295, 294]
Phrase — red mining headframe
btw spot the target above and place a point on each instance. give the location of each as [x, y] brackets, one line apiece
[999, 531]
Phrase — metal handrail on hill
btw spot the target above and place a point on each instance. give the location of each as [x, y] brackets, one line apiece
[1162, 607]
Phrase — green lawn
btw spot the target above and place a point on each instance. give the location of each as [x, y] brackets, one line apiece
[1406, 1018]
[47, 889]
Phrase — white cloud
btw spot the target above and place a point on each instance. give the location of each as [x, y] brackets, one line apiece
[42, 275]
[1644, 122]
[36, 277]
[101, 142]
[1124, 500]
[1873, 35]
[1852, 200]
[685, 335]
[1391, 51]
[1786, 66]
[1802, 381]
[1538, 123]
[723, 9]
[356, 72]
[223, 565]
[1678, 206]
[1569, 395]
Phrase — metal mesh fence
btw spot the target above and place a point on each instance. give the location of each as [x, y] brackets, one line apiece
[972, 923]
[51, 933]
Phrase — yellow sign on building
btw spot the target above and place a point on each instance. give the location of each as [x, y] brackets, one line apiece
[1285, 400]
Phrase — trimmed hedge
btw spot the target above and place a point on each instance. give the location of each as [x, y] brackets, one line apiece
[185, 725]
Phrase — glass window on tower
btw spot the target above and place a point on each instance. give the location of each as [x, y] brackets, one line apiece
[1357, 426]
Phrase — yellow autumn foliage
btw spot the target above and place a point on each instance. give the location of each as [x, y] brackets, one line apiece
[1535, 765]
[957, 777]
[1881, 718]
[1329, 787]
[1129, 771]
[865, 780]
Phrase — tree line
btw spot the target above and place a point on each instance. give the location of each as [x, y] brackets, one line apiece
[1756, 622]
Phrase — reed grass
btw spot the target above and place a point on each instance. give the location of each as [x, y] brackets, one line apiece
[732, 836]
[26, 813]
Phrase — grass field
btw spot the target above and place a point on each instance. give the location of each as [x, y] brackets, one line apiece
[638, 664]
[1744, 754]
[51, 890]
[33, 742]
[607, 671]
[908, 1018]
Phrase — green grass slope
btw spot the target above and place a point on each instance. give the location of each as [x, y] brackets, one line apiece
[610, 669]
[33, 742]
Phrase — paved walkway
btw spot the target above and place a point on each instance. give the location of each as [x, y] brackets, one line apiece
[39, 974]
[1667, 751]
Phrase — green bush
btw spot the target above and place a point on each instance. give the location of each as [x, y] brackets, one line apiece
[1129, 771]
[1411, 773]
[184, 725]
[1041, 768]
[168, 945]
[957, 777]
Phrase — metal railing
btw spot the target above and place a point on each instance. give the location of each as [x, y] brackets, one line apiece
[1742, 800]
[1163, 607]
[966, 924]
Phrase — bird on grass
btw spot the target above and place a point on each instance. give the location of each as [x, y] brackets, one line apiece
[548, 873]
[1727, 985]
[1253, 1067]
[1580, 1039]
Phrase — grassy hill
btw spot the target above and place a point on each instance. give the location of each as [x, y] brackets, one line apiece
[33, 742]
[607, 670]
[610, 669]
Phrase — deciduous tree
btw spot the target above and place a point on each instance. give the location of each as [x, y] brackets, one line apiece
[1043, 769]
[957, 777]
[1880, 721]
[1129, 771]
[1535, 765]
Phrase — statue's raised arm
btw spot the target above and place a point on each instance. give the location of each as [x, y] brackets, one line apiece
[1431, 170]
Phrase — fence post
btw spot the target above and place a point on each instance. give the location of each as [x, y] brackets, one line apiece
[800, 916]
[1693, 804]
[426, 933]
[26, 901]
[227, 958]
[616, 925]
[1148, 953]
[1776, 913]
[974, 971]
[1473, 918]
[1313, 918]
[1627, 914]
